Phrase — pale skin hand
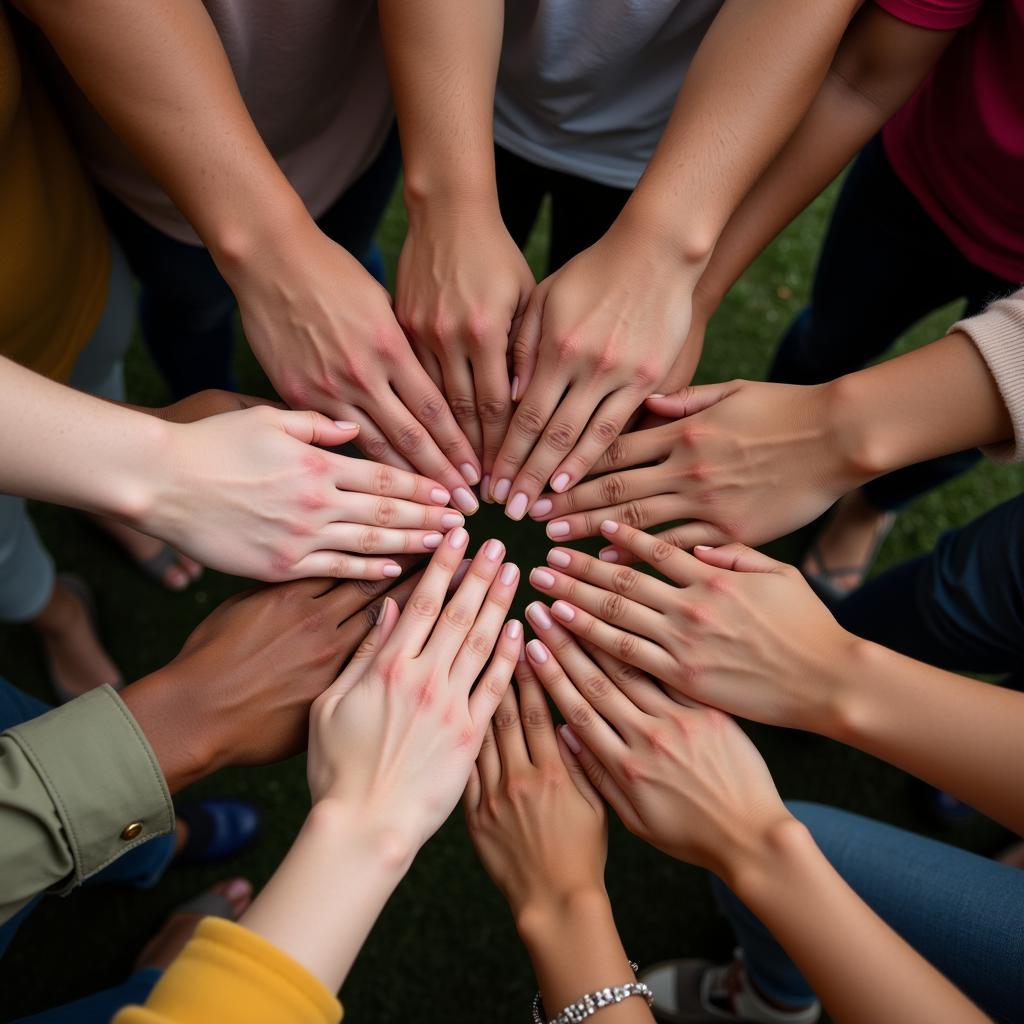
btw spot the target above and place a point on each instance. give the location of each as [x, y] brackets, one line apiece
[392, 744]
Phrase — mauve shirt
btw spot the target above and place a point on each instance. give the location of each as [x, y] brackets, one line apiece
[958, 143]
[311, 73]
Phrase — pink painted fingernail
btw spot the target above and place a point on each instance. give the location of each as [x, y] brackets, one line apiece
[433, 540]
[515, 389]
[537, 651]
[609, 526]
[559, 558]
[542, 578]
[572, 741]
[563, 611]
[703, 547]
[501, 489]
[470, 473]
[458, 538]
[493, 550]
[439, 496]
[657, 394]
[514, 629]
[559, 528]
[451, 519]
[541, 507]
[538, 615]
[609, 555]
[346, 425]
[560, 482]
[509, 574]
[516, 508]
[485, 489]
[392, 570]
[465, 500]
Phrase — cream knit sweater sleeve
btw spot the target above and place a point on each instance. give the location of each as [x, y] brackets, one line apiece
[999, 336]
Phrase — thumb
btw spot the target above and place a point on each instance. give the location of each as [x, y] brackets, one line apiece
[374, 641]
[738, 558]
[689, 400]
[315, 428]
[527, 342]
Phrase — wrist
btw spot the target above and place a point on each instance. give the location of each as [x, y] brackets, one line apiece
[472, 198]
[543, 918]
[133, 496]
[373, 837]
[858, 439]
[685, 246]
[757, 869]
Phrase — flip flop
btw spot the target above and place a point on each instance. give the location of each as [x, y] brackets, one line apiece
[218, 829]
[207, 904]
[823, 580]
[80, 589]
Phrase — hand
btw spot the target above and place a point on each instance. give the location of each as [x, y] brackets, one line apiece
[395, 738]
[685, 779]
[462, 288]
[741, 631]
[538, 825]
[204, 404]
[744, 461]
[597, 338]
[240, 690]
[325, 333]
[247, 493]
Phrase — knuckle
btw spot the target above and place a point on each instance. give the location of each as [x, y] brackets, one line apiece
[625, 580]
[661, 551]
[505, 719]
[478, 643]
[604, 430]
[596, 773]
[612, 607]
[646, 375]
[634, 513]
[385, 512]
[581, 715]
[528, 420]
[463, 408]
[426, 607]
[374, 445]
[458, 616]
[535, 716]
[627, 646]
[567, 346]
[430, 408]
[410, 438]
[596, 687]
[383, 478]
[559, 437]
[494, 410]
[612, 489]
[633, 770]
[370, 539]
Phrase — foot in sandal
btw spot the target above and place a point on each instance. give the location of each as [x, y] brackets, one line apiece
[156, 559]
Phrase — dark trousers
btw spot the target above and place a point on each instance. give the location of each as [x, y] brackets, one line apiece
[884, 264]
[186, 308]
[581, 210]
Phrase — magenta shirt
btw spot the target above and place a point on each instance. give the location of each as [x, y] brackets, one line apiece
[958, 143]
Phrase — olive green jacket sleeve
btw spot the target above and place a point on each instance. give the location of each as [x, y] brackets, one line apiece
[79, 787]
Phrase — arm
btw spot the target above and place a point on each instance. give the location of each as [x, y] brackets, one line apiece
[247, 492]
[462, 282]
[320, 326]
[606, 329]
[701, 792]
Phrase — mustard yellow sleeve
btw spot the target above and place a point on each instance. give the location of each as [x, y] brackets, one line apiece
[229, 975]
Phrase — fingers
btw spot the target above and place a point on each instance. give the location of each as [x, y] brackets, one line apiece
[739, 558]
[341, 565]
[493, 398]
[576, 772]
[372, 442]
[488, 761]
[473, 791]
[600, 778]
[643, 691]
[538, 728]
[683, 537]
[375, 540]
[424, 606]
[690, 400]
[395, 513]
[607, 577]
[601, 495]
[639, 513]
[461, 398]
[459, 616]
[372, 478]
[478, 643]
[669, 560]
[315, 428]
[526, 343]
[508, 732]
[372, 644]
[484, 700]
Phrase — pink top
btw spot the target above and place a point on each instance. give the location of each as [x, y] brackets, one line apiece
[311, 73]
[958, 143]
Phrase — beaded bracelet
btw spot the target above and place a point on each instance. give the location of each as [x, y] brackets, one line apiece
[589, 1004]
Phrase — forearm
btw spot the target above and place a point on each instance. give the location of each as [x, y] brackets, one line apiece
[575, 949]
[321, 903]
[731, 117]
[960, 735]
[859, 967]
[443, 64]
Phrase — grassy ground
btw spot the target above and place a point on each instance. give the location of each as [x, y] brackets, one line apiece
[445, 949]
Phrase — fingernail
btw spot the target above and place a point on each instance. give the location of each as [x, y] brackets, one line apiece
[559, 528]
[392, 570]
[509, 574]
[485, 489]
[381, 610]
[238, 888]
[346, 425]
[493, 550]
[439, 496]
[517, 506]
[501, 489]
[657, 394]
[563, 611]
[433, 540]
[609, 555]
[457, 538]
[537, 651]
[465, 500]
[451, 519]
[470, 473]
[609, 526]
[515, 389]
[538, 615]
[572, 741]
[703, 547]
[559, 558]
[560, 482]
[514, 629]
[542, 578]
[541, 508]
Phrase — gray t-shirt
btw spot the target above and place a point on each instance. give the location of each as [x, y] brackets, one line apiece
[587, 86]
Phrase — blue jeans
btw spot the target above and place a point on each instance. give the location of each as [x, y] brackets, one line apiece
[884, 264]
[962, 912]
[186, 308]
[140, 868]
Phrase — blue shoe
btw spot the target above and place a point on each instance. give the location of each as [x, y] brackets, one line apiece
[217, 829]
[373, 263]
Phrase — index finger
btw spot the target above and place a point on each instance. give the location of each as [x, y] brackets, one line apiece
[386, 481]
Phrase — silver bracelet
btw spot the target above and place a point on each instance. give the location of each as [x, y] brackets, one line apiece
[589, 1004]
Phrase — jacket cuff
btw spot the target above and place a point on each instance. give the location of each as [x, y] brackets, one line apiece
[102, 776]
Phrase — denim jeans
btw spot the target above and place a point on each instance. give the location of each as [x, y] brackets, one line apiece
[962, 912]
[140, 868]
[186, 308]
[884, 264]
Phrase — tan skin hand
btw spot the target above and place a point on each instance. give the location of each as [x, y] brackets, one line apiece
[537, 824]
[733, 628]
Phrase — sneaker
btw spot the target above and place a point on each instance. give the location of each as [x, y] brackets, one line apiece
[700, 992]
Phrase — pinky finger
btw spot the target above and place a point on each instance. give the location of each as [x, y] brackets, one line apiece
[340, 565]
[471, 796]
[484, 700]
[600, 778]
[686, 537]
[576, 772]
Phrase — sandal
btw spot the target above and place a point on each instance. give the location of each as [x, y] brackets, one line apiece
[823, 581]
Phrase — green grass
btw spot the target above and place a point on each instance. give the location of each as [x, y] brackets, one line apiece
[444, 948]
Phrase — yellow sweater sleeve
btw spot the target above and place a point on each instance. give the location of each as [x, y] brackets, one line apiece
[228, 975]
